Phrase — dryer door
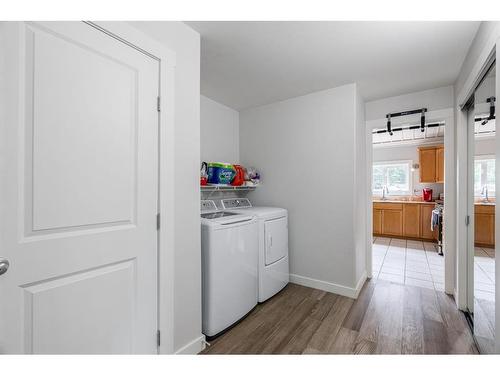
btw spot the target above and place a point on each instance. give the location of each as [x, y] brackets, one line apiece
[276, 239]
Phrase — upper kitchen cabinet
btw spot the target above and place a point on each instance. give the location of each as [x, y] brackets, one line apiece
[440, 164]
[431, 160]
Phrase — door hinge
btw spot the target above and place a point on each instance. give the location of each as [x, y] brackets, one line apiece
[158, 221]
[158, 340]
[467, 220]
[158, 104]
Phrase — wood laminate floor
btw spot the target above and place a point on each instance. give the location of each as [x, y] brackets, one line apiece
[387, 318]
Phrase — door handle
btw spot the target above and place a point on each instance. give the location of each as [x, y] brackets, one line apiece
[4, 265]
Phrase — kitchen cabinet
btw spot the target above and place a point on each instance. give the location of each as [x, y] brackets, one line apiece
[377, 221]
[388, 219]
[411, 220]
[484, 225]
[404, 220]
[431, 160]
[440, 164]
[425, 223]
[392, 222]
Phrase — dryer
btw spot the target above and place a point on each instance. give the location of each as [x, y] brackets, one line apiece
[229, 246]
[273, 244]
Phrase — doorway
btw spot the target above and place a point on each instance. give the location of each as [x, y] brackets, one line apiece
[481, 197]
[408, 175]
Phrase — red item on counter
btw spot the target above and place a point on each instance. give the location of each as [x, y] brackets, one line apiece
[239, 177]
[204, 174]
[427, 194]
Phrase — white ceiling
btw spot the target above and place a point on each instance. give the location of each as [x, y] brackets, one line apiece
[245, 64]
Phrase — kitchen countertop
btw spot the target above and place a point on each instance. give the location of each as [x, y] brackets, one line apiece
[484, 203]
[401, 201]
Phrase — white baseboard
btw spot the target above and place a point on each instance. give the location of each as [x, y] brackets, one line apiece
[360, 283]
[328, 286]
[193, 347]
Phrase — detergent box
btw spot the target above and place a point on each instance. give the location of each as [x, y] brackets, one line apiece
[220, 173]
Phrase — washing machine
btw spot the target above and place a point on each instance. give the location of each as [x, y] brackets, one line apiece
[274, 272]
[230, 246]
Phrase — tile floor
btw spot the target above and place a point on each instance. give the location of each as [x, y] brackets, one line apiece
[408, 262]
[418, 263]
[484, 273]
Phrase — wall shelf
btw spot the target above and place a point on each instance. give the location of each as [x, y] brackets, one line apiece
[212, 188]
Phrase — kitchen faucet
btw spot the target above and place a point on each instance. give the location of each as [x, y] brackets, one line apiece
[385, 191]
[484, 192]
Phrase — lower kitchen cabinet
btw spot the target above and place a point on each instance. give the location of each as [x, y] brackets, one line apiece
[411, 220]
[392, 222]
[406, 220]
[484, 225]
[377, 221]
[425, 229]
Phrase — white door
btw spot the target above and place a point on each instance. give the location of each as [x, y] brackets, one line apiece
[276, 238]
[79, 188]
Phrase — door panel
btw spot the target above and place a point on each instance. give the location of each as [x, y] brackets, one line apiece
[484, 229]
[85, 146]
[483, 272]
[392, 222]
[276, 239]
[411, 220]
[53, 330]
[440, 164]
[427, 158]
[425, 227]
[377, 221]
[81, 178]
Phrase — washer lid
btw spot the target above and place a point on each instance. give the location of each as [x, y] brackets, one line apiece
[266, 213]
[217, 215]
[224, 218]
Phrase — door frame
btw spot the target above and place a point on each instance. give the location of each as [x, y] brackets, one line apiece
[446, 116]
[469, 187]
[165, 235]
[462, 229]
[489, 52]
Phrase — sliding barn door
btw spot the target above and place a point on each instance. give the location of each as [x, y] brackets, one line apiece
[79, 175]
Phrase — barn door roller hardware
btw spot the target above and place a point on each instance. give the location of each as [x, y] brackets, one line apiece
[412, 127]
[406, 113]
[490, 100]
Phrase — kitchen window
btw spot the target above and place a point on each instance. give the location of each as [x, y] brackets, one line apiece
[484, 176]
[395, 175]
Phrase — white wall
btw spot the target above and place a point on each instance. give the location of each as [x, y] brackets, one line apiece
[305, 148]
[488, 31]
[433, 99]
[185, 42]
[408, 152]
[219, 129]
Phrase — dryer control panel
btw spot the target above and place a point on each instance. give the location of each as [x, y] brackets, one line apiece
[236, 203]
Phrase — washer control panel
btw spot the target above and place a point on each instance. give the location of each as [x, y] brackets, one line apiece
[207, 206]
[236, 203]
